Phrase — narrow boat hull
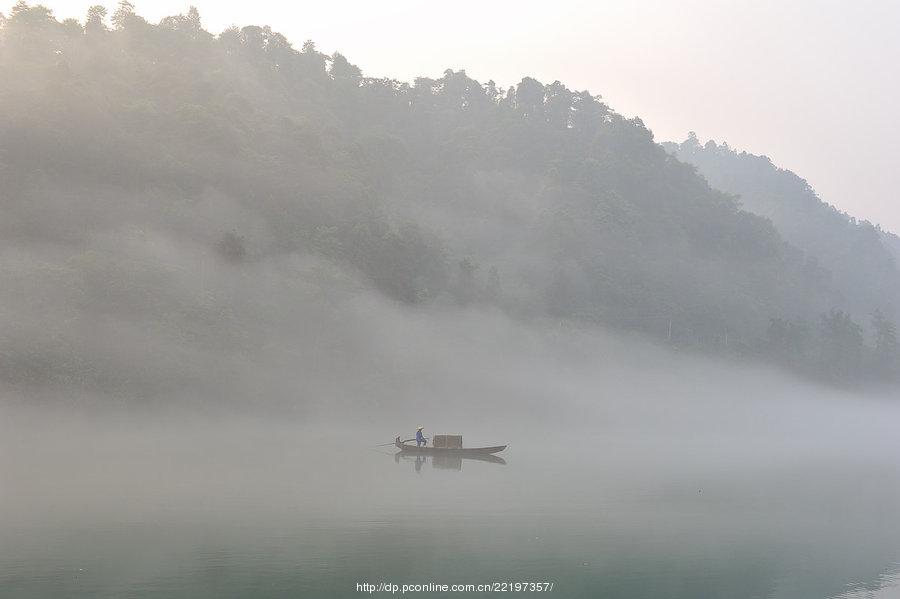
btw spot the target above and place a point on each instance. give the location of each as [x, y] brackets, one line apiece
[460, 451]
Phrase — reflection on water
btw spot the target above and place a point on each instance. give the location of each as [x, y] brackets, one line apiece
[268, 513]
[445, 462]
[886, 586]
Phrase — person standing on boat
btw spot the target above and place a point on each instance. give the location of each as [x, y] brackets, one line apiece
[420, 438]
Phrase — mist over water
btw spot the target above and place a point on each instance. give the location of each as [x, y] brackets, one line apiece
[632, 471]
[235, 270]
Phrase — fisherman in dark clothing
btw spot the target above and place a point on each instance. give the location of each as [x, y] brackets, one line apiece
[420, 438]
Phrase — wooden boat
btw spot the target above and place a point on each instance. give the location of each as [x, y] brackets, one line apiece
[460, 451]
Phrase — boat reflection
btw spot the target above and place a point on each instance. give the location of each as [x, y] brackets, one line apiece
[445, 462]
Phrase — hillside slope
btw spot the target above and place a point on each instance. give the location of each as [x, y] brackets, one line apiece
[857, 254]
[158, 179]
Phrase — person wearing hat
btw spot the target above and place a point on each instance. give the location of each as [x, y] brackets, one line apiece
[420, 438]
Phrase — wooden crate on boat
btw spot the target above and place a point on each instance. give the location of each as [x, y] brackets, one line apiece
[447, 441]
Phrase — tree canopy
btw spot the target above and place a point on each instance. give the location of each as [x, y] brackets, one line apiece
[539, 200]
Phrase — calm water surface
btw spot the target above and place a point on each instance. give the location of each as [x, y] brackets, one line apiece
[270, 512]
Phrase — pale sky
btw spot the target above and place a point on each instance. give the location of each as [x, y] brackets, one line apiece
[813, 84]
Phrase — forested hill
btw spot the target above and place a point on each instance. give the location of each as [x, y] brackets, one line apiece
[537, 199]
[858, 258]
[857, 255]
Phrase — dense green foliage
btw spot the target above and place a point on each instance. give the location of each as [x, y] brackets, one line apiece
[537, 199]
[856, 254]
[856, 260]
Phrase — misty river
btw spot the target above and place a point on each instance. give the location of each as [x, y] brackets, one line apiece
[236, 265]
[232, 507]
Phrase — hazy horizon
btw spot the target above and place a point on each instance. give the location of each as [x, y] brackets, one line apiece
[650, 60]
[235, 270]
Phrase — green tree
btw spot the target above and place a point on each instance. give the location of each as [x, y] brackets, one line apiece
[886, 354]
[24, 14]
[193, 18]
[530, 97]
[95, 20]
[842, 345]
[559, 105]
[123, 14]
[467, 288]
[343, 71]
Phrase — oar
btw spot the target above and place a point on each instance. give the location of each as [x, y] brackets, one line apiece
[379, 451]
[393, 442]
